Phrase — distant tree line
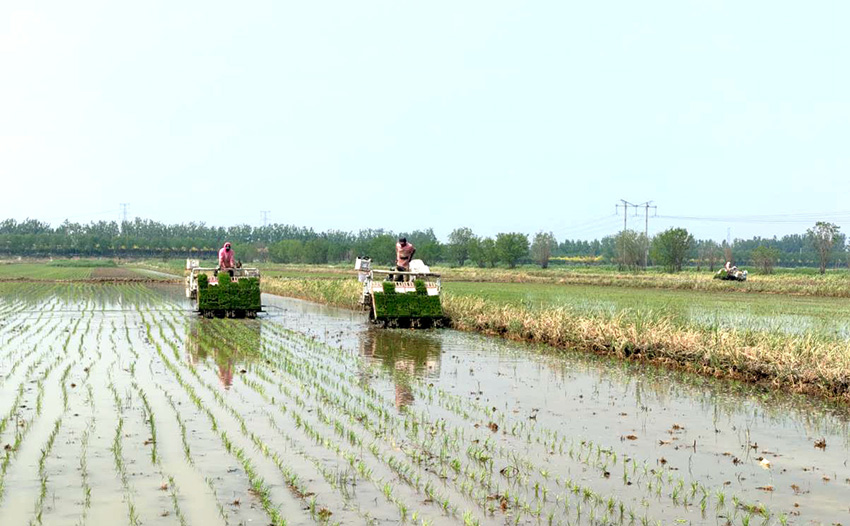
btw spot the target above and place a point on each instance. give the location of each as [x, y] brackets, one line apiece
[822, 246]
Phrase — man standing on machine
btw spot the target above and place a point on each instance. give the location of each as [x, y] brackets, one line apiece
[403, 254]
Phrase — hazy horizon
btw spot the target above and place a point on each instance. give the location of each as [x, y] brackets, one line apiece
[734, 119]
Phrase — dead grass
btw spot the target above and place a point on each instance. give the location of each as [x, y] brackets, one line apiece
[802, 362]
[338, 292]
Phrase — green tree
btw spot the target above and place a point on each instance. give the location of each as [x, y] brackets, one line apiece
[709, 253]
[476, 253]
[631, 247]
[671, 248]
[316, 251]
[542, 246]
[246, 253]
[428, 247]
[287, 251]
[511, 248]
[460, 245]
[764, 258]
[382, 250]
[488, 249]
[822, 237]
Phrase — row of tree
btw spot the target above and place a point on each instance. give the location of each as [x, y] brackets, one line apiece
[820, 246]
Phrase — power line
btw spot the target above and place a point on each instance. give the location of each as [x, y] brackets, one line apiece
[590, 224]
[803, 217]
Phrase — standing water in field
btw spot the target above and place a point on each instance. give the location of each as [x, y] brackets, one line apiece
[118, 405]
[773, 456]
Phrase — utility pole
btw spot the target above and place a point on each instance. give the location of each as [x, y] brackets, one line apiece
[264, 214]
[647, 205]
[625, 206]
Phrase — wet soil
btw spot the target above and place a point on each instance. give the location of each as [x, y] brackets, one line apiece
[119, 406]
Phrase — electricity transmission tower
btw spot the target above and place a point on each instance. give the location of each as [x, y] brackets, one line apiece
[264, 214]
[625, 206]
[124, 213]
[647, 205]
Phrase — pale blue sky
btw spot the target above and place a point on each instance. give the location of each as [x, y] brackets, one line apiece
[499, 116]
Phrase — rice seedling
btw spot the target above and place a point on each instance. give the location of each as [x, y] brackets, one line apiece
[303, 412]
[42, 471]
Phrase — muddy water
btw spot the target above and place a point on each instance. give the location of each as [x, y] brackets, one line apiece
[119, 406]
[788, 452]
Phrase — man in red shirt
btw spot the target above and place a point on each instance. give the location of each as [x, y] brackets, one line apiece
[403, 254]
[225, 258]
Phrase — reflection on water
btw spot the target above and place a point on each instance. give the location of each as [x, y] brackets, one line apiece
[405, 355]
[229, 343]
[702, 429]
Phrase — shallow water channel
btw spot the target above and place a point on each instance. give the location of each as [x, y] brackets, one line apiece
[120, 406]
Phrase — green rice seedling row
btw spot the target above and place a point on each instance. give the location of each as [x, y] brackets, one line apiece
[119, 406]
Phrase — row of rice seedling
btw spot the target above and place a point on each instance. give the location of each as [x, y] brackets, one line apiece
[171, 398]
[702, 498]
[314, 432]
[72, 352]
[46, 424]
[220, 423]
[192, 472]
[325, 395]
[322, 427]
[321, 431]
[325, 471]
[259, 437]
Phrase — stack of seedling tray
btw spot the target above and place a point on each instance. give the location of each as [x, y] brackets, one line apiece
[408, 308]
[229, 299]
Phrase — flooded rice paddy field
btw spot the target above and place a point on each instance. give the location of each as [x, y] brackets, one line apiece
[119, 406]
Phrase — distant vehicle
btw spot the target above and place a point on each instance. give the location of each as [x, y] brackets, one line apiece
[733, 274]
